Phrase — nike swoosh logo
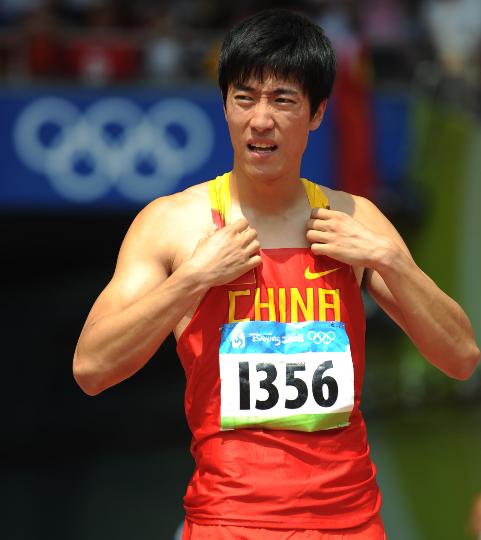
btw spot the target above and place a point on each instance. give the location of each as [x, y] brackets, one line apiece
[314, 275]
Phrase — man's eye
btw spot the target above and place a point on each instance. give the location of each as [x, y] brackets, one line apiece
[243, 98]
[284, 100]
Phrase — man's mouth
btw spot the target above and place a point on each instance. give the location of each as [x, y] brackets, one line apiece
[262, 148]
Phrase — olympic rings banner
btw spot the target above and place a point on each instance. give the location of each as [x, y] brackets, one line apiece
[66, 149]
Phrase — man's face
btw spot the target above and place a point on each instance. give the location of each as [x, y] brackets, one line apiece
[269, 123]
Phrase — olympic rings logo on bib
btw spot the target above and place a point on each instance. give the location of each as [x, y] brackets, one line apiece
[321, 337]
[296, 376]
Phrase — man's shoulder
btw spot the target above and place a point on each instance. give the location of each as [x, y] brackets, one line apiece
[173, 223]
[354, 205]
[192, 204]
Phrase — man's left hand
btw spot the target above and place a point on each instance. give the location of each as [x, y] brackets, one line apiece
[341, 237]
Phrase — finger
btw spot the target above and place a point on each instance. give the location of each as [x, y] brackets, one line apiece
[320, 237]
[253, 261]
[239, 225]
[249, 235]
[315, 224]
[253, 247]
[321, 213]
[320, 249]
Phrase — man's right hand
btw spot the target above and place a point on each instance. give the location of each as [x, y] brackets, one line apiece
[226, 254]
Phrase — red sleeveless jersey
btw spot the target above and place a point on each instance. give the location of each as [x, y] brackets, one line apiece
[276, 478]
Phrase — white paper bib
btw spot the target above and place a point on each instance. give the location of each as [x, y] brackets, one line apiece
[296, 376]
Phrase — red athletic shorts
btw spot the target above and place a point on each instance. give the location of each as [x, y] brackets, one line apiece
[372, 530]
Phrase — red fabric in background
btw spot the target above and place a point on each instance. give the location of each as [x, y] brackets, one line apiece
[108, 58]
[354, 124]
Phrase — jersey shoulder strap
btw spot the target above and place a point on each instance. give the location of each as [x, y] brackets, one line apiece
[317, 197]
[220, 200]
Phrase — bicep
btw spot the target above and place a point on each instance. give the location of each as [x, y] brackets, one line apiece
[127, 285]
[142, 265]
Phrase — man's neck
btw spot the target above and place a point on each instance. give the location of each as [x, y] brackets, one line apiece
[272, 197]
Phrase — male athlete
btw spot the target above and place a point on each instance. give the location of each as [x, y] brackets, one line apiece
[257, 273]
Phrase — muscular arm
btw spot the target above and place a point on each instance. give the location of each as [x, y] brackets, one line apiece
[144, 301]
[434, 322]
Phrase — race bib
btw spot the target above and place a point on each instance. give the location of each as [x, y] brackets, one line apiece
[296, 376]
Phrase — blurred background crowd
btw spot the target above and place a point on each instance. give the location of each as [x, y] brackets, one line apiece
[100, 103]
[96, 42]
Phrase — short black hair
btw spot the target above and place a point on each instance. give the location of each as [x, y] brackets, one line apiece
[284, 44]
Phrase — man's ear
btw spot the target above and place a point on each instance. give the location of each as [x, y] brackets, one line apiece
[318, 115]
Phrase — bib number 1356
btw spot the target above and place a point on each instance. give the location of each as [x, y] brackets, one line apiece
[306, 391]
[296, 376]
[322, 386]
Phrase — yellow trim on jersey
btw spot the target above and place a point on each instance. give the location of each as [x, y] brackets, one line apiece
[317, 197]
[219, 194]
[220, 199]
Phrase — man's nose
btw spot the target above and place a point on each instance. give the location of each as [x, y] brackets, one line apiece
[262, 119]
